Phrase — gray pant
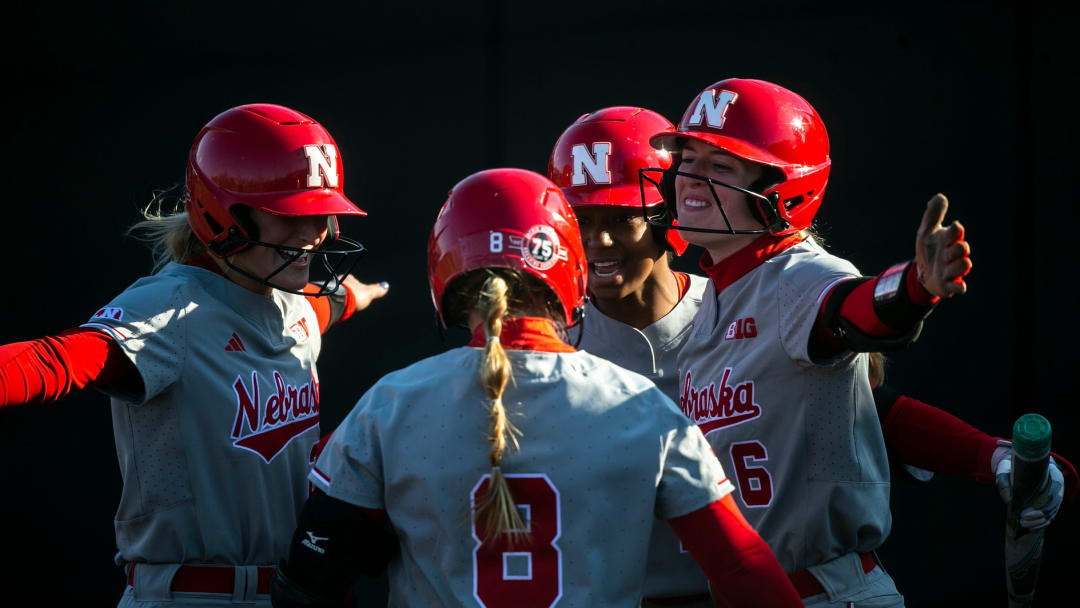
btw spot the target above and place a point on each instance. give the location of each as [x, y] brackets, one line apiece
[152, 584]
[192, 600]
[847, 586]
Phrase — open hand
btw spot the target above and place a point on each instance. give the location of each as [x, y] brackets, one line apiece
[941, 253]
[364, 293]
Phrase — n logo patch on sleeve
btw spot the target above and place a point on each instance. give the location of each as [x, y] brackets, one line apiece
[110, 312]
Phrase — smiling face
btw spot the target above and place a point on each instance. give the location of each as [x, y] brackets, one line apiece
[301, 232]
[620, 249]
[696, 205]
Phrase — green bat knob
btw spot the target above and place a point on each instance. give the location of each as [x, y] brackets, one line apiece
[1031, 437]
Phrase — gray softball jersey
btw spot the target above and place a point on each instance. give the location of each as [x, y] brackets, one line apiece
[802, 437]
[651, 352]
[603, 453]
[215, 454]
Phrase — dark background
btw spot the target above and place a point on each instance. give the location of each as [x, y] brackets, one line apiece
[970, 99]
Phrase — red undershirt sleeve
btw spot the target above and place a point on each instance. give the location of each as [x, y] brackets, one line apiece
[321, 306]
[929, 438]
[740, 567]
[858, 306]
[324, 310]
[682, 281]
[47, 369]
[350, 303]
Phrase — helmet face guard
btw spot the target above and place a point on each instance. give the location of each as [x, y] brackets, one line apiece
[596, 162]
[338, 261]
[276, 160]
[763, 123]
[655, 177]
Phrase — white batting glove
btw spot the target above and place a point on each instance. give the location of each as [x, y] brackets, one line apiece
[1040, 511]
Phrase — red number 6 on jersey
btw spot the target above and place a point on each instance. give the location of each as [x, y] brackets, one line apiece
[755, 482]
[527, 573]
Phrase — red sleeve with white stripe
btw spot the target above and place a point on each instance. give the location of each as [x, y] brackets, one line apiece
[47, 369]
[740, 567]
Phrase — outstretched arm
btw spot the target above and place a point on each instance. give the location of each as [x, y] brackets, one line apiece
[886, 312]
[741, 569]
[353, 297]
[47, 369]
[932, 439]
[941, 253]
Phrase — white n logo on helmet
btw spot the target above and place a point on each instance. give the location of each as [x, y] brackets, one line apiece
[322, 163]
[714, 107]
[595, 163]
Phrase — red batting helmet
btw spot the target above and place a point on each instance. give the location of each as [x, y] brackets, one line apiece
[766, 124]
[266, 157]
[509, 218]
[596, 161]
[277, 160]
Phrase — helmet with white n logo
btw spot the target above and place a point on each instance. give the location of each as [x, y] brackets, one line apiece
[767, 124]
[596, 161]
[509, 218]
[265, 157]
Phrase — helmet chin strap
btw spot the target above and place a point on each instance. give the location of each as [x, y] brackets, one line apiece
[666, 220]
[337, 272]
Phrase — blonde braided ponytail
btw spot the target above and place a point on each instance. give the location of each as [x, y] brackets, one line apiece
[496, 511]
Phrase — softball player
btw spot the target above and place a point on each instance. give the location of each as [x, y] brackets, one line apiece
[515, 471]
[774, 371]
[210, 361]
[639, 310]
[639, 313]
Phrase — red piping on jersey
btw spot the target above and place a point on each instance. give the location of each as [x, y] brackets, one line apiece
[525, 333]
[735, 266]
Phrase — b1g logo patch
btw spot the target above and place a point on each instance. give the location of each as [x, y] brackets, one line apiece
[741, 329]
[540, 247]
